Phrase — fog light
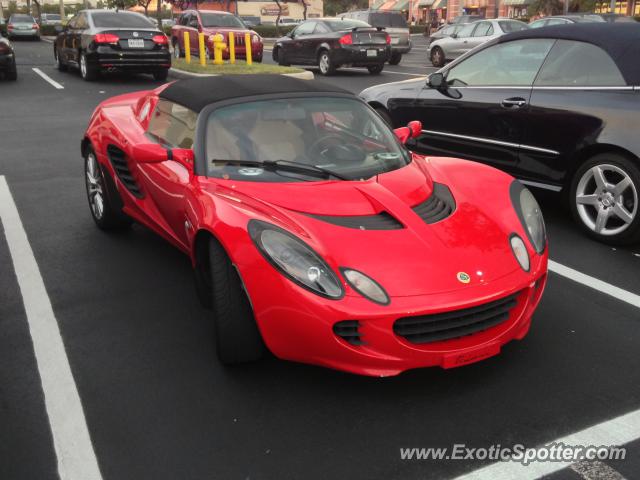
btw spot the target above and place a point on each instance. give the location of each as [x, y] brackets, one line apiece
[366, 286]
[520, 251]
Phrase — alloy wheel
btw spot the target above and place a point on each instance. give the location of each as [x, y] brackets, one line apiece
[324, 63]
[95, 189]
[83, 66]
[176, 50]
[606, 199]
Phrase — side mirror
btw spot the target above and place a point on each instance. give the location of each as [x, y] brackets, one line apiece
[150, 153]
[184, 156]
[454, 35]
[436, 80]
[412, 130]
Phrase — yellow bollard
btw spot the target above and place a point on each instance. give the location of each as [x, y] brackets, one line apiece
[218, 46]
[187, 48]
[203, 52]
[232, 47]
[247, 48]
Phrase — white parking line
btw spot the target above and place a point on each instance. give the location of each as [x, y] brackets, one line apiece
[71, 440]
[596, 470]
[48, 79]
[576, 276]
[614, 432]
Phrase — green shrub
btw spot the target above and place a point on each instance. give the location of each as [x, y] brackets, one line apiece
[637, 18]
[48, 30]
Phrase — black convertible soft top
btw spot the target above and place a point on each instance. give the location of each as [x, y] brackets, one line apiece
[620, 40]
[197, 93]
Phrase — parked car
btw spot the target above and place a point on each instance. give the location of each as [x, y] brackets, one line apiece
[464, 19]
[250, 21]
[288, 22]
[444, 32]
[96, 41]
[556, 107]
[23, 26]
[616, 18]
[394, 24]
[468, 37]
[168, 22]
[566, 20]
[331, 43]
[7, 60]
[211, 23]
[310, 226]
[50, 19]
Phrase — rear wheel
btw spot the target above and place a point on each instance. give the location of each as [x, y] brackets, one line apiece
[437, 57]
[375, 69]
[604, 198]
[177, 52]
[161, 75]
[325, 64]
[395, 58]
[238, 339]
[88, 72]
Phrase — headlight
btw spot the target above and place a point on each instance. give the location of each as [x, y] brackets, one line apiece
[255, 39]
[366, 286]
[295, 259]
[520, 251]
[530, 215]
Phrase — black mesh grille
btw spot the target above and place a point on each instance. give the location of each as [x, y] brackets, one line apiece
[438, 206]
[454, 324]
[381, 221]
[119, 162]
[348, 330]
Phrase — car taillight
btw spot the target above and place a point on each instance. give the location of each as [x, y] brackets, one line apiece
[106, 38]
[388, 39]
[346, 39]
[9, 27]
[160, 39]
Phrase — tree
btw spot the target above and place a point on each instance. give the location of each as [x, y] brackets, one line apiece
[304, 9]
[121, 4]
[144, 4]
[546, 7]
[278, 17]
[334, 7]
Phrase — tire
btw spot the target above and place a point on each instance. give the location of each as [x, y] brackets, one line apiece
[385, 116]
[237, 337]
[177, 51]
[106, 215]
[437, 57]
[161, 75]
[88, 72]
[395, 58]
[375, 69]
[279, 58]
[325, 64]
[607, 211]
[59, 65]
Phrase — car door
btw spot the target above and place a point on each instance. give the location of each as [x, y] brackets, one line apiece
[457, 45]
[480, 112]
[299, 37]
[572, 104]
[480, 34]
[194, 28]
[64, 42]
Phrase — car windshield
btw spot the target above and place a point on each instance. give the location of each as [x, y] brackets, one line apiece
[21, 19]
[393, 20]
[512, 26]
[119, 20]
[53, 16]
[317, 134]
[346, 24]
[218, 20]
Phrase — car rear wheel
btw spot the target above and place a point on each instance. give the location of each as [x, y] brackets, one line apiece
[437, 57]
[375, 69]
[237, 337]
[395, 58]
[161, 75]
[325, 64]
[88, 72]
[177, 52]
[104, 213]
[604, 198]
[59, 65]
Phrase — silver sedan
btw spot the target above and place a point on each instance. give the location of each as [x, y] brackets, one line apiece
[469, 37]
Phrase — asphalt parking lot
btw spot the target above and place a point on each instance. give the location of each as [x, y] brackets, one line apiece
[159, 406]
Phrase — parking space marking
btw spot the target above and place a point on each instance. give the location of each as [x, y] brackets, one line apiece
[71, 440]
[592, 282]
[48, 79]
[615, 432]
[596, 470]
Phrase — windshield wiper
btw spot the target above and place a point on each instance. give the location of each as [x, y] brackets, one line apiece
[285, 165]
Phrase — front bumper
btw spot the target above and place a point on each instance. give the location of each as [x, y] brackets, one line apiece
[241, 52]
[298, 325]
[105, 58]
[357, 55]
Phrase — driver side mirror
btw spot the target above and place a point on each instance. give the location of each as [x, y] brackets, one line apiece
[454, 35]
[412, 130]
[436, 80]
[156, 153]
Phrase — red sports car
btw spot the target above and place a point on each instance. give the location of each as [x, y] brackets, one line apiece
[313, 230]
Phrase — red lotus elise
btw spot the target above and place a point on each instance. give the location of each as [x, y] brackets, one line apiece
[313, 231]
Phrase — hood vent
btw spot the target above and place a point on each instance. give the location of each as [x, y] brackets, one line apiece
[119, 162]
[438, 206]
[380, 221]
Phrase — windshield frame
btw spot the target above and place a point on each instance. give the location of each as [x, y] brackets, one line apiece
[200, 141]
[204, 15]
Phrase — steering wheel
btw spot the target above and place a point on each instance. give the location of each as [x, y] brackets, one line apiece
[334, 146]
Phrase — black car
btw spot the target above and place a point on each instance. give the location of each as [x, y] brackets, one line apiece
[557, 107]
[101, 40]
[7, 60]
[332, 43]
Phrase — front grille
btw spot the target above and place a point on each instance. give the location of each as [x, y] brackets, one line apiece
[438, 206]
[119, 162]
[348, 330]
[380, 221]
[454, 324]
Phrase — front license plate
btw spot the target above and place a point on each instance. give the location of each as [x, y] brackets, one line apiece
[135, 43]
[372, 53]
[470, 356]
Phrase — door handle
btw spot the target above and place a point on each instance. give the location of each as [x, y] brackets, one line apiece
[515, 102]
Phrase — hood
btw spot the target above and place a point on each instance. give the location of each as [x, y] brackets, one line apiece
[416, 258]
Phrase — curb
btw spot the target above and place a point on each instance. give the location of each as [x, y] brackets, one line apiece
[181, 74]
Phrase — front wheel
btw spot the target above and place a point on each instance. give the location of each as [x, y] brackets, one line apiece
[395, 58]
[437, 57]
[604, 199]
[177, 52]
[375, 69]
[325, 64]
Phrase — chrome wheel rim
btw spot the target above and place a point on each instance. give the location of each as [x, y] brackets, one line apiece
[324, 63]
[176, 50]
[435, 56]
[56, 58]
[83, 66]
[606, 199]
[94, 187]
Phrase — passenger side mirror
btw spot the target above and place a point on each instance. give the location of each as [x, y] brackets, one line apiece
[150, 153]
[454, 35]
[412, 130]
[436, 80]
[184, 156]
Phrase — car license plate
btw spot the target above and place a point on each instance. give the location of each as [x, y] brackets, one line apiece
[372, 53]
[395, 41]
[135, 43]
[23, 27]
